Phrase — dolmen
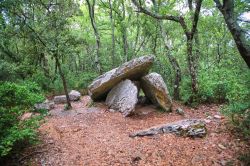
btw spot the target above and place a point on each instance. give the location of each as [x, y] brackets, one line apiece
[120, 87]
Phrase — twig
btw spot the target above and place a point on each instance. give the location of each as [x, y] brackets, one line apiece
[31, 154]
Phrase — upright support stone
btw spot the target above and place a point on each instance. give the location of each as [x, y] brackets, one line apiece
[123, 97]
[156, 90]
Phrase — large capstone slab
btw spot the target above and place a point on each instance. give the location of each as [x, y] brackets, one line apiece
[186, 128]
[123, 97]
[132, 70]
[156, 90]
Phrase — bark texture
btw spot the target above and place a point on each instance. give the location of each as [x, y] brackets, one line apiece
[91, 8]
[243, 45]
[189, 33]
[64, 83]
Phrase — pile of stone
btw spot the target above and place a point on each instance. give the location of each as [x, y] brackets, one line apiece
[73, 96]
[120, 87]
[48, 105]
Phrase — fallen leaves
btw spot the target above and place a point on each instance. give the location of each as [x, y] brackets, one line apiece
[99, 137]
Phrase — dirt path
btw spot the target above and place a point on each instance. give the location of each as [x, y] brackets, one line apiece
[96, 137]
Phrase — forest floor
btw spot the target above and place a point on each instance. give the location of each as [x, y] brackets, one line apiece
[96, 137]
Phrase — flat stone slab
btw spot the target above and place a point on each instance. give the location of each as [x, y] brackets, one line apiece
[46, 105]
[156, 90]
[73, 96]
[123, 97]
[186, 128]
[132, 70]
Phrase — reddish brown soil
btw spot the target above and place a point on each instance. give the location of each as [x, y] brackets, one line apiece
[97, 137]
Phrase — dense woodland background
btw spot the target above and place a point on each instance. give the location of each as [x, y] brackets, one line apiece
[48, 47]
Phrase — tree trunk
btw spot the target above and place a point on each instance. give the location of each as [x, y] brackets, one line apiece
[45, 65]
[191, 66]
[112, 33]
[125, 44]
[64, 82]
[189, 34]
[124, 33]
[97, 36]
[227, 10]
[174, 63]
[137, 35]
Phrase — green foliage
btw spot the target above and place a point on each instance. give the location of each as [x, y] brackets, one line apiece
[186, 91]
[28, 48]
[245, 158]
[42, 80]
[21, 95]
[78, 81]
[6, 70]
[16, 99]
[219, 85]
[81, 80]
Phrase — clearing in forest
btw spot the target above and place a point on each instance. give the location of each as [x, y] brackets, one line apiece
[95, 136]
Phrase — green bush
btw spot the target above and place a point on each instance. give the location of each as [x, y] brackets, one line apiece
[218, 84]
[21, 95]
[213, 85]
[41, 80]
[16, 99]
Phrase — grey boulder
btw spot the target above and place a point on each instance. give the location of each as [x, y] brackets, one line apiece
[186, 128]
[73, 96]
[123, 97]
[46, 105]
[156, 90]
[60, 99]
[132, 70]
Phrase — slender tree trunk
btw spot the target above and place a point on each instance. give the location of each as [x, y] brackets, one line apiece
[64, 82]
[97, 36]
[192, 56]
[191, 66]
[243, 45]
[124, 33]
[75, 64]
[45, 65]
[155, 42]
[174, 63]
[125, 44]
[144, 42]
[112, 33]
[137, 35]
[218, 53]
[197, 50]
[189, 34]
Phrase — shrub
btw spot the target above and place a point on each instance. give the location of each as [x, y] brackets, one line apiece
[231, 86]
[16, 99]
[21, 95]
